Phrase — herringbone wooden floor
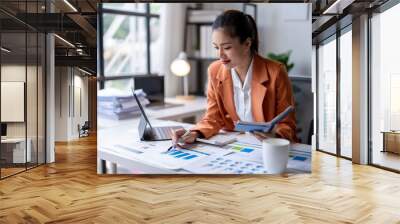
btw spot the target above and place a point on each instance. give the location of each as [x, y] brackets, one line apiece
[70, 191]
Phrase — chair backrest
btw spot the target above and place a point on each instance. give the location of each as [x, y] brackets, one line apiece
[86, 125]
[310, 132]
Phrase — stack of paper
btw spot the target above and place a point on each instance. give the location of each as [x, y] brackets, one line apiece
[116, 104]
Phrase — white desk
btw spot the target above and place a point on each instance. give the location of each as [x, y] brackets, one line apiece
[114, 141]
[18, 150]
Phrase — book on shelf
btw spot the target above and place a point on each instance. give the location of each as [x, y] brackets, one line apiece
[206, 48]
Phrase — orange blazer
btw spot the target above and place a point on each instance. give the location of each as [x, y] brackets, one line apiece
[271, 93]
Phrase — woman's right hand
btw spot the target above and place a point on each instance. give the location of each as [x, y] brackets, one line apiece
[178, 138]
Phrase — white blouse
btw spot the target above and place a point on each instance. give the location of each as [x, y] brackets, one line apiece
[242, 94]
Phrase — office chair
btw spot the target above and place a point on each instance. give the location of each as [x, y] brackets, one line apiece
[84, 130]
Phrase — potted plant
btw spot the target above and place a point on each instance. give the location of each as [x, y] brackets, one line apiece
[283, 58]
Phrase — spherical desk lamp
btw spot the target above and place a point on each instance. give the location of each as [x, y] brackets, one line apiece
[181, 67]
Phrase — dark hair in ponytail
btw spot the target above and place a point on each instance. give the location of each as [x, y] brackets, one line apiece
[238, 24]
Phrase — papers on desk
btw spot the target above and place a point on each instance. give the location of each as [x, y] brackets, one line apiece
[208, 149]
[247, 159]
[249, 148]
[115, 104]
[229, 164]
[174, 159]
[220, 139]
[240, 157]
[139, 147]
[154, 153]
[247, 151]
[300, 158]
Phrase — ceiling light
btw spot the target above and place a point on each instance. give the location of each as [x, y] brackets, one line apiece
[84, 71]
[65, 41]
[338, 6]
[70, 5]
[79, 51]
[5, 50]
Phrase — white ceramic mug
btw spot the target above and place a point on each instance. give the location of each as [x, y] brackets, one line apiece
[275, 153]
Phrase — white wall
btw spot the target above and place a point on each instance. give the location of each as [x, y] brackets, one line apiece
[71, 93]
[15, 72]
[284, 27]
[33, 125]
[80, 102]
[61, 103]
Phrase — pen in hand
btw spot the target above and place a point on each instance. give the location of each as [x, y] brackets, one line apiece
[174, 144]
[169, 149]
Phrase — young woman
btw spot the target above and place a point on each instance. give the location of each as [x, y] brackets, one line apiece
[241, 84]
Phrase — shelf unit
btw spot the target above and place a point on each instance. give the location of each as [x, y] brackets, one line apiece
[198, 61]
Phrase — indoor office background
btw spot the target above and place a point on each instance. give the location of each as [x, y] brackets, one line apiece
[354, 73]
[74, 102]
[334, 59]
[43, 75]
[23, 87]
[331, 60]
[137, 40]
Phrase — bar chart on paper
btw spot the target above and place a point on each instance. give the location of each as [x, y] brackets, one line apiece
[174, 159]
[243, 149]
[184, 154]
[247, 151]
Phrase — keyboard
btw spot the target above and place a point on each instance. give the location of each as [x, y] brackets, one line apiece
[163, 132]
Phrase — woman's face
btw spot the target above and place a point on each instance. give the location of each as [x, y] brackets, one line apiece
[229, 49]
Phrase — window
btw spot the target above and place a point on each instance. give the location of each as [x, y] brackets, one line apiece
[124, 43]
[385, 88]
[123, 85]
[155, 42]
[22, 73]
[334, 110]
[327, 96]
[346, 94]
[130, 39]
